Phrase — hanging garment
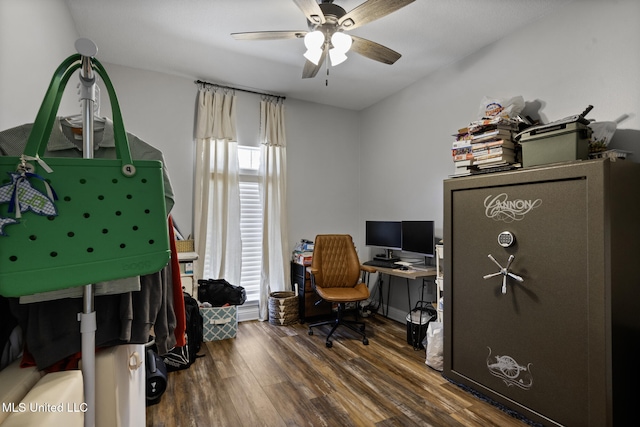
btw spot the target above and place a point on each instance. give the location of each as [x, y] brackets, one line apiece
[178, 300]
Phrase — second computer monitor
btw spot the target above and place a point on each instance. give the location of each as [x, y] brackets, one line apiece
[419, 237]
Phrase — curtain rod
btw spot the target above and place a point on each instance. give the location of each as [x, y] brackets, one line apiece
[201, 82]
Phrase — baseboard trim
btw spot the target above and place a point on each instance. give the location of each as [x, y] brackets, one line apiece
[397, 315]
[248, 312]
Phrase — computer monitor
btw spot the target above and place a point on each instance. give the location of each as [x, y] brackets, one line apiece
[419, 237]
[384, 234]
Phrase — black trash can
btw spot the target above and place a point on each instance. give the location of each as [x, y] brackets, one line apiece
[417, 322]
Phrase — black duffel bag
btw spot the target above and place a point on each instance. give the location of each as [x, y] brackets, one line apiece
[219, 292]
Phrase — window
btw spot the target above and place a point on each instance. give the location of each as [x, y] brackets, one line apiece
[250, 221]
[248, 160]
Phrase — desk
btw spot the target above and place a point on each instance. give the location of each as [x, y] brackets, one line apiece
[307, 297]
[406, 274]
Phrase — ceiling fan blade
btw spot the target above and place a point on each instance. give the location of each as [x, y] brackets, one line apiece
[310, 69]
[369, 11]
[269, 35]
[373, 50]
[311, 10]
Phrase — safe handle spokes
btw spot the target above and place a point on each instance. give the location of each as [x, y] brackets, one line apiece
[504, 272]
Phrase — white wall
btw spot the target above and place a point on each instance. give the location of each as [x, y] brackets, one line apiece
[586, 53]
[322, 167]
[35, 37]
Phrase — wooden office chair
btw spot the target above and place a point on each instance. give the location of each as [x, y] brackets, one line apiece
[335, 276]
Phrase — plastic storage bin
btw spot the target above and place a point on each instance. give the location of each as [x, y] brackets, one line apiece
[219, 323]
[561, 143]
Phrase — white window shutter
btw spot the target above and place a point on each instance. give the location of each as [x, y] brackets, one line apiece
[251, 232]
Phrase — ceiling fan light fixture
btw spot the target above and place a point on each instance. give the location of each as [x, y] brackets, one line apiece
[341, 42]
[313, 55]
[313, 41]
[337, 57]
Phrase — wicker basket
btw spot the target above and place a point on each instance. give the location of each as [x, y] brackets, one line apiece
[283, 308]
[185, 246]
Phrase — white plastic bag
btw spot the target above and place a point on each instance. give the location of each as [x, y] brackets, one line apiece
[491, 108]
[435, 345]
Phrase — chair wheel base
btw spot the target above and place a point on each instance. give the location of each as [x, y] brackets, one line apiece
[355, 326]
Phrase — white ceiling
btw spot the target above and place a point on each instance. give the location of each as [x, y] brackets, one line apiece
[191, 38]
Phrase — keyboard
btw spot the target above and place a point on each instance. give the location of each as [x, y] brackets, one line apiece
[383, 264]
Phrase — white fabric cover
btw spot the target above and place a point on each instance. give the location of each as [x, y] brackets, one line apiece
[120, 386]
[56, 400]
[15, 383]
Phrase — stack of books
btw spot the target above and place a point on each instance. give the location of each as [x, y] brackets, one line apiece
[303, 258]
[303, 252]
[485, 144]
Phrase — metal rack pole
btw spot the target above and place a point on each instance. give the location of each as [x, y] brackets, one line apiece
[87, 318]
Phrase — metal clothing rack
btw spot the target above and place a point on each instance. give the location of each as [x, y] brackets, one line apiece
[88, 326]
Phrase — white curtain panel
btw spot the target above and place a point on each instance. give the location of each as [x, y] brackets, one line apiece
[217, 192]
[273, 163]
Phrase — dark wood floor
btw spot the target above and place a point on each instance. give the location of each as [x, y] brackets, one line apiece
[280, 376]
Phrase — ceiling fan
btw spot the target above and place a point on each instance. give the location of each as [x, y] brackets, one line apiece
[327, 24]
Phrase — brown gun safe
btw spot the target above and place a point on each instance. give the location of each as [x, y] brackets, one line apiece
[542, 290]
